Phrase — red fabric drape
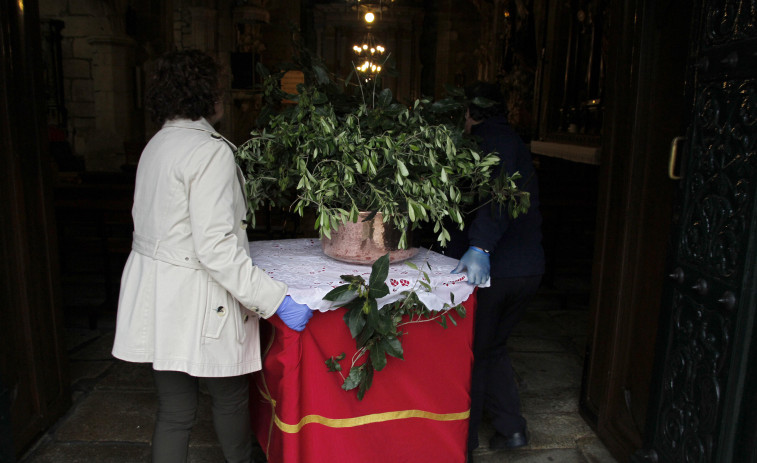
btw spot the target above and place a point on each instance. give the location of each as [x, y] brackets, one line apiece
[415, 411]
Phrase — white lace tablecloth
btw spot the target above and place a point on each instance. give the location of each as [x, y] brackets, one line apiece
[310, 274]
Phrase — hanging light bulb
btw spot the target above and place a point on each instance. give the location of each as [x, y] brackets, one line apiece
[369, 17]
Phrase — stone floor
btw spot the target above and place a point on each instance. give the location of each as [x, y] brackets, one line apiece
[111, 419]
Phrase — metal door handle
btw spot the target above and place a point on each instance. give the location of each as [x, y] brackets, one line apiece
[673, 157]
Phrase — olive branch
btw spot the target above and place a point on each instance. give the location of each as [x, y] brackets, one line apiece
[377, 332]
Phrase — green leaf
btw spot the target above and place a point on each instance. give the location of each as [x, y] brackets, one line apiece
[403, 168]
[321, 74]
[378, 291]
[357, 374]
[355, 322]
[371, 310]
[378, 357]
[333, 362]
[385, 97]
[483, 102]
[365, 382]
[385, 325]
[379, 271]
[341, 295]
[454, 91]
[320, 98]
[364, 336]
[262, 70]
[392, 346]
[460, 311]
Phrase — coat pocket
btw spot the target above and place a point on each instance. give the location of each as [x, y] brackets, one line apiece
[217, 310]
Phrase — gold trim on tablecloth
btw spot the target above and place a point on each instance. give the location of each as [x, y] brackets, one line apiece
[368, 419]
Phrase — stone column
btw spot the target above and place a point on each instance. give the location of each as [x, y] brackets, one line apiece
[113, 75]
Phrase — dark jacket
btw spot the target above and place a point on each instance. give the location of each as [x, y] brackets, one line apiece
[514, 244]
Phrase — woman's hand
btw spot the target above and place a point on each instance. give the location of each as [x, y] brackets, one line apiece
[294, 315]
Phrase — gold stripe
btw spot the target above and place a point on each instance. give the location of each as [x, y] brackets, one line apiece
[345, 422]
[368, 419]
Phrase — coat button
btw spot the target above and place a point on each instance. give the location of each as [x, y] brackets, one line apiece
[246, 317]
[220, 311]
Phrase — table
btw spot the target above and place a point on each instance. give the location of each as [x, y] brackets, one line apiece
[416, 409]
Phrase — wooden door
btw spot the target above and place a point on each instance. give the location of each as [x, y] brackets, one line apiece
[34, 389]
[645, 99]
[703, 396]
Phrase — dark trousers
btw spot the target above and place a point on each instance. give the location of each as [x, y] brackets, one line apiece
[493, 386]
[177, 408]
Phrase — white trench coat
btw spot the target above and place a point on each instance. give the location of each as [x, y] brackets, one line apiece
[190, 296]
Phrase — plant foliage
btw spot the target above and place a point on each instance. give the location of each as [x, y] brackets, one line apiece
[378, 332]
[344, 148]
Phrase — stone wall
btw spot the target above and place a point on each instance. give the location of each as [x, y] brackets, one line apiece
[98, 73]
[108, 47]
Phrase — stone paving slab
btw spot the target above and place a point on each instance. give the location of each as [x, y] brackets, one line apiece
[86, 452]
[115, 453]
[110, 417]
[544, 373]
[128, 376]
[529, 456]
[570, 322]
[77, 336]
[99, 349]
[550, 430]
[204, 454]
[558, 401]
[535, 344]
[87, 370]
[536, 324]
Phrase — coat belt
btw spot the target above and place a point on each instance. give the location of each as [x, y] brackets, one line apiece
[159, 251]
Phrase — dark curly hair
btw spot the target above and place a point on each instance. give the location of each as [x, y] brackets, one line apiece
[491, 99]
[185, 84]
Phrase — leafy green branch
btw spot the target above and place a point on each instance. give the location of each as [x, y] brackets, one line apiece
[377, 332]
[340, 148]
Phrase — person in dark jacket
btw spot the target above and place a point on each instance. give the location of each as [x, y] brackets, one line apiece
[509, 251]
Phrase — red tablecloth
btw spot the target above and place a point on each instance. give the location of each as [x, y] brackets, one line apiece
[415, 411]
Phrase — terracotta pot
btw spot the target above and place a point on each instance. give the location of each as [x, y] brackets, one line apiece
[364, 242]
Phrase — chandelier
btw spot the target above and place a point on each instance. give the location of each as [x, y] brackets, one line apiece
[369, 56]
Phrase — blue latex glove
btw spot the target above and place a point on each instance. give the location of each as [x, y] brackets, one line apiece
[476, 261]
[294, 315]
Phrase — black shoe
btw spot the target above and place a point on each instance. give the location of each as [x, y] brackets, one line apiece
[513, 441]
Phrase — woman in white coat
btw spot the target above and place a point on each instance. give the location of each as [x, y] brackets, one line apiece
[190, 295]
